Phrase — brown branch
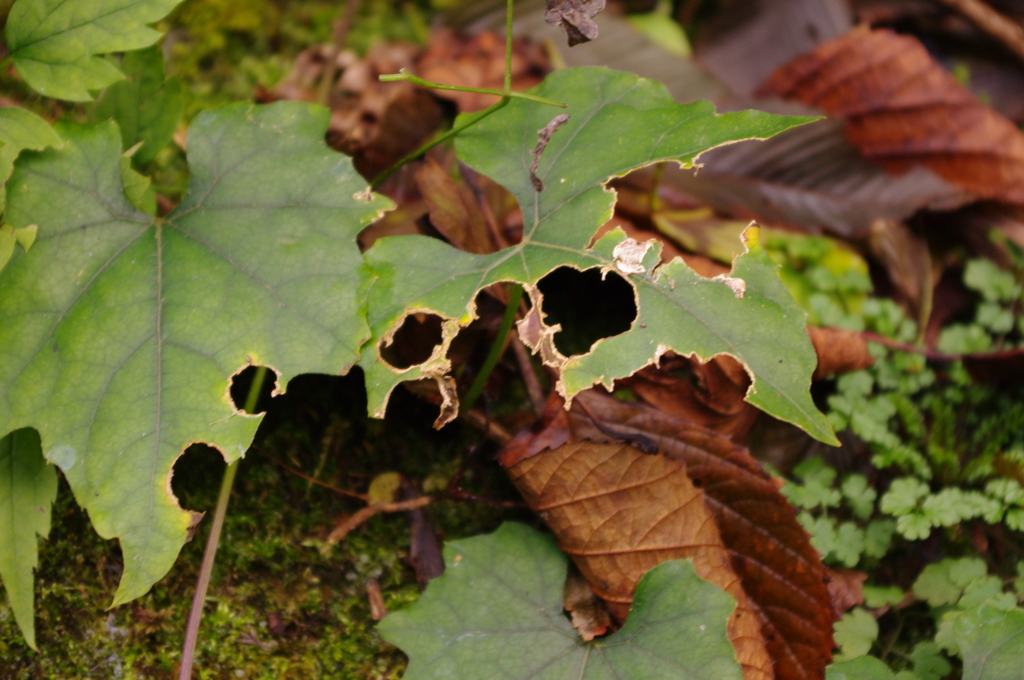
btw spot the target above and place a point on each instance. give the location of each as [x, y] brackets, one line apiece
[530, 380]
[1003, 29]
[496, 433]
[351, 494]
[348, 524]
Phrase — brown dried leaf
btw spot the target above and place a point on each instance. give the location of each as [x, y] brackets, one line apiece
[902, 109]
[598, 499]
[576, 18]
[589, 614]
[839, 351]
[846, 588]
[543, 137]
[454, 211]
[707, 394]
[769, 551]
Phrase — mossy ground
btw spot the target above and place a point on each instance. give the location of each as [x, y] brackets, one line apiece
[277, 607]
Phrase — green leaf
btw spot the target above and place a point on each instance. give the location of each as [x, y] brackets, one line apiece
[861, 668]
[822, 531]
[859, 495]
[903, 496]
[145, 106]
[54, 42]
[137, 187]
[943, 582]
[994, 284]
[120, 331]
[28, 487]
[850, 544]
[881, 596]
[497, 613]
[878, 536]
[929, 663]
[20, 130]
[618, 122]
[991, 642]
[855, 633]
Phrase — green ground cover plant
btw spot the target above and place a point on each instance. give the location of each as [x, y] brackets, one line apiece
[134, 338]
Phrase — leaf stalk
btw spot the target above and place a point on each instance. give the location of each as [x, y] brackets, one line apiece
[212, 542]
[497, 349]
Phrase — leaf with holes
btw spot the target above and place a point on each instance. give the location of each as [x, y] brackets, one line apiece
[54, 43]
[618, 122]
[497, 613]
[28, 487]
[120, 332]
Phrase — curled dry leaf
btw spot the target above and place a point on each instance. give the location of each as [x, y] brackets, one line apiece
[839, 351]
[846, 587]
[575, 17]
[543, 137]
[618, 512]
[454, 210]
[589, 614]
[902, 109]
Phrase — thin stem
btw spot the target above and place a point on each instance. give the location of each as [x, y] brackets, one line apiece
[497, 349]
[210, 553]
[341, 30]
[508, 47]
[471, 119]
[6, 62]
[403, 74]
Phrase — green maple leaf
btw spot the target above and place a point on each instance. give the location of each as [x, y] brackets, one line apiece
[855, 633]
[618, 122]
[54, 43]
[28, 487]
[146, 107]
[497, 613]
[991, 641]
[120, 331]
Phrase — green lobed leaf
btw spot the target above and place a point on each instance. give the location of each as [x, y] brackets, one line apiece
[20, 130]
[861, 668]
[855, 633]
[991, 641]
[54, 43]
[497, 613]
[28, 487]
[618, 122]
[120, 331]
[146, 107]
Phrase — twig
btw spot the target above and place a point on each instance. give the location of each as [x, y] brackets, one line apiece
[643, 443]
[469, 175]
[1005, 30]
[345, 527]
[341, 30]
[496, 433]
[906, 347]
[351, 494]
[530, 380]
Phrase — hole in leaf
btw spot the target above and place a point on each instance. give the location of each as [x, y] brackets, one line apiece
[196, 477]
[242, 383]
[414, 341]
[588, 308]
